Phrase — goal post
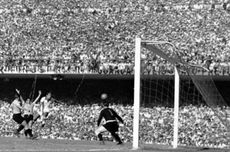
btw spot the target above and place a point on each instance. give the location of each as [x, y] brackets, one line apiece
[137, 85]
[176, 106]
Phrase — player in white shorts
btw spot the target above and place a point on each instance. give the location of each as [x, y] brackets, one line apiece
[45, 103]
[36, 112]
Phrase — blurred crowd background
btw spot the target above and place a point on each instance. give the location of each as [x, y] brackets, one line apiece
[198, 125]
[97, 36]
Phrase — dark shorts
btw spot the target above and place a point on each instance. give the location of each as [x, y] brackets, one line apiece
[111, 126]
[18, 118]
[28, 118]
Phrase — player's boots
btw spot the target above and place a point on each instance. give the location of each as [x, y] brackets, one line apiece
[120, 143]
[17, 131]
[26, 134]
[31, 135]
[117, 138]
[101, 139]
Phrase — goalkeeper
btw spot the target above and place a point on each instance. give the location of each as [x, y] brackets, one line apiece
[111, 124]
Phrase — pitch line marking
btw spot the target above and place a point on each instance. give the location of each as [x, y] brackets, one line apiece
[104, 149]
[116, 149]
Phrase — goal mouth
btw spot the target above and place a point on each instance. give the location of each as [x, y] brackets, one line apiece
[188, 110]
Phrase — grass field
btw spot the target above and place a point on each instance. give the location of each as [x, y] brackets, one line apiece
[50, 145]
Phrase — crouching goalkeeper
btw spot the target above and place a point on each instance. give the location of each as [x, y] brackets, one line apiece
[111, 124]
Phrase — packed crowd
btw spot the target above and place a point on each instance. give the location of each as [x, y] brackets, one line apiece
[198, 125]
[98, 36]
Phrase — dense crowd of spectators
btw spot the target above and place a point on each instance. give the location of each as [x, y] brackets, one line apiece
[75, 36]
[198, 125]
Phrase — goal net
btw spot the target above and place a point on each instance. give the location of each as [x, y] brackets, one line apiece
[203, 114]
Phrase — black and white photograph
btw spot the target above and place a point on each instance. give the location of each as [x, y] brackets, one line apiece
[114, 75]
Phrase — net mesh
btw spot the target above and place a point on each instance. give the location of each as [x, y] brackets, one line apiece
[203, 114]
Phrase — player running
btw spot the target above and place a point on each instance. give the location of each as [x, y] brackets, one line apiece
[28, 114]
[45, 107]
[111, 124]
[17, 113]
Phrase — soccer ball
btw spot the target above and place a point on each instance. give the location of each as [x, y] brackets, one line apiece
[104, 96]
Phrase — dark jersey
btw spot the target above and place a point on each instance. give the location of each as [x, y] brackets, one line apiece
[109, 115]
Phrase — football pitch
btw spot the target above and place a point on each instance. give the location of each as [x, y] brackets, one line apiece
[8, 144]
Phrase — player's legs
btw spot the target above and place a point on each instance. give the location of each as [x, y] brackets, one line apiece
[21, 126]
[42, 120]
[44, 117]
[22, 123]
[26, 117]
[28, 131]
[113, 127]
[116, 137]
[30, 123]
[99, 132]
[36, 116]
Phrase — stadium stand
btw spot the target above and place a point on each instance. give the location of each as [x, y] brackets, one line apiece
[97, 36]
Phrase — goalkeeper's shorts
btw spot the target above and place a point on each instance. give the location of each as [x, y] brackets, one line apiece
[111, 126]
